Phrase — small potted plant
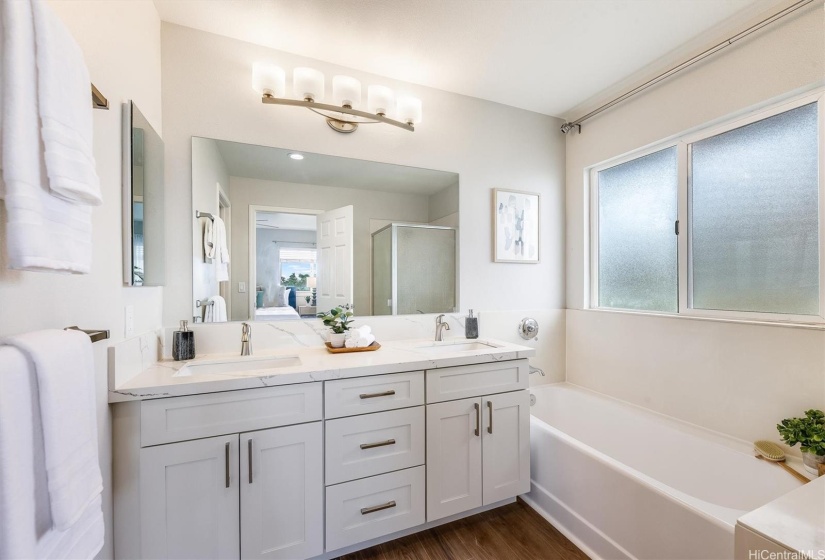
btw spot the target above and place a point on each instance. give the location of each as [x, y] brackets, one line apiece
[307, 298]
[809, 432]
[338, 320]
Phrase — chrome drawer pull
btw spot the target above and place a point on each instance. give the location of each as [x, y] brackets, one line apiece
[226, 463]
[373, 509]
[249, 447]
[377, 444]
[373, 395]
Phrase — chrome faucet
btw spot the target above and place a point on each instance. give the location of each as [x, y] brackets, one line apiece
[440, 325]
[246, 335]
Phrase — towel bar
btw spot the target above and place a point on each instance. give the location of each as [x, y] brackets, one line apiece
[199, 214]
[200, 303]
[95, 334]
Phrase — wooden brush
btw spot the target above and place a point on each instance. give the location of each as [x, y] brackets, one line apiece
[769, 451]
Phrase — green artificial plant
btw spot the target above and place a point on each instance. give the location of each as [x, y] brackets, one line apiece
[809, 432]
[337, 319]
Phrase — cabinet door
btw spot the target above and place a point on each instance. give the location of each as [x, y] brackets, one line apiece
[282, 492]
[189, 499]
[506, 443]
[453, 457]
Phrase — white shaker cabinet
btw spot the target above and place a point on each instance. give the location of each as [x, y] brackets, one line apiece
[189, 499]
[478, 452]
[282, 492]
[506, 445]
[453, 457]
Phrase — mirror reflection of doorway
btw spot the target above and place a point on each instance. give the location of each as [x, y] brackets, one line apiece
[299, 257]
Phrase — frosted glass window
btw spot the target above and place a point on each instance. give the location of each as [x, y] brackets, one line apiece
[637, 242]
[755, 223]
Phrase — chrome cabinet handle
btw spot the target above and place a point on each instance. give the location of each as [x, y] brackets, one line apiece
[478, 419]
[226, 464]
[373, 395]
[377, 444]
[373, 509]
[490, 408]
[249, 449]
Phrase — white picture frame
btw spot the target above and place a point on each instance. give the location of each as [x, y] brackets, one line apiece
[516, 227]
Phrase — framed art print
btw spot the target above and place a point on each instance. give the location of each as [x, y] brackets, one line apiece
[515, 226]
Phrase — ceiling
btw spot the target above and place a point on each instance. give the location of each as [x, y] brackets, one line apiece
[546, 56]
[280, 220]
[274, 164]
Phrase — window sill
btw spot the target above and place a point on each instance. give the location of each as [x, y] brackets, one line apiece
[755, 322]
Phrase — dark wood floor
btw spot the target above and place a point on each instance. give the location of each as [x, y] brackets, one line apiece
[513, 531]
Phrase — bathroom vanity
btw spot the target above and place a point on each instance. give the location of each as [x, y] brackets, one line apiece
[303, 454]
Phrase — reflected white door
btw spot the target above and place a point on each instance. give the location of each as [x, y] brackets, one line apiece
[334, 237]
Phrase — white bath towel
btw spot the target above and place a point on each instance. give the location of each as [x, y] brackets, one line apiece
[216, 312]
[26, 527]
[64, 97]
[221, 251]
[43, 232]
[64, 369]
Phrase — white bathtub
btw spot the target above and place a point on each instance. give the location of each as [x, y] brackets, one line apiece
[624, 482]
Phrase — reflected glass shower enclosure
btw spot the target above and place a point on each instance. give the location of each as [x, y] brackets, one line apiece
[413, 269]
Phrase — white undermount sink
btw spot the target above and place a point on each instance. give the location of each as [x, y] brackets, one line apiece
[449, 346]
[239, 367]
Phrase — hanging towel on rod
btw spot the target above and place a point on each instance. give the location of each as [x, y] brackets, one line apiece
[44, 232]
[50, 481]
[221, 250]
[65, 112]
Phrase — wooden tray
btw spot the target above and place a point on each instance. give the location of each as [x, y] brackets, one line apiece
[343, 350]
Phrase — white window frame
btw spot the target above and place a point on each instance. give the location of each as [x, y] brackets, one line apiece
[685, 273]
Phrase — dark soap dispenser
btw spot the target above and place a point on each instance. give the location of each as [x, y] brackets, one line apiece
[183, 343]
[471, 326]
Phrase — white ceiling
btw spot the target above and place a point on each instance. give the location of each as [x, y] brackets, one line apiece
[274, 164]
[281, 220]
[542, 55]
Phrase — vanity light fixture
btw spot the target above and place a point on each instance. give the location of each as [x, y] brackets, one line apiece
[345, 112]
[296, 156]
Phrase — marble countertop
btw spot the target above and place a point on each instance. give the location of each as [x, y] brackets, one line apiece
[796, 520]
[315, 363]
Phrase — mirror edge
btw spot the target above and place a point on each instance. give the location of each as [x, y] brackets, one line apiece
[126, 194]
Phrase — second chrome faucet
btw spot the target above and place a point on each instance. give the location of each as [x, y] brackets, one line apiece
[440, 327]
[246, 337]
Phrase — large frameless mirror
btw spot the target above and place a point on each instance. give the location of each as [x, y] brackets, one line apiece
[281, 235]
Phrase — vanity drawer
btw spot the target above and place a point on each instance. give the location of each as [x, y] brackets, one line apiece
[347, 397]
[452, 383]
[371, 444]
[199, 416]
[373, 507]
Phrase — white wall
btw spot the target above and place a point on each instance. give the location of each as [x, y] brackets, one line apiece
[366, 205]
[207, 93]
[735, 378]
[208, 171]
[121, 44]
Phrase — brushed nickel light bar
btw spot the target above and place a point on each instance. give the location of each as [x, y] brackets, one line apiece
[339, 124]
[342, 115]
[568, 126]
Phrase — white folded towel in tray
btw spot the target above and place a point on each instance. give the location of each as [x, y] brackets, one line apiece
[360, 337]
